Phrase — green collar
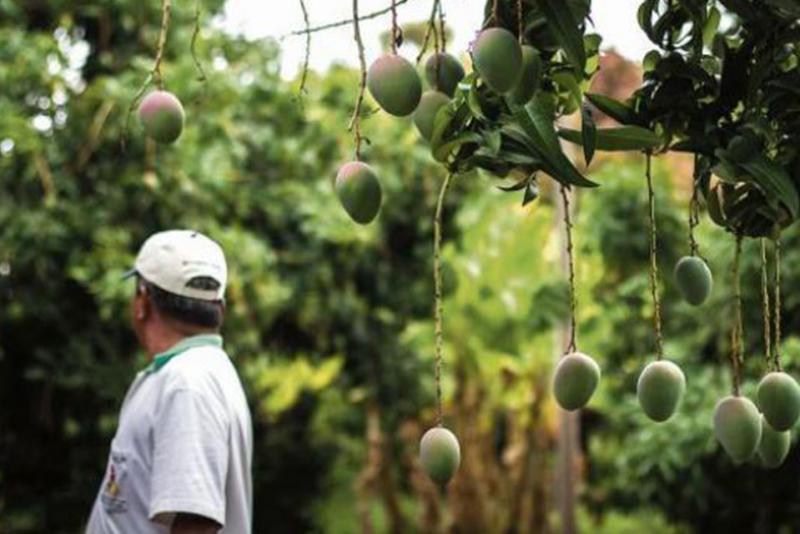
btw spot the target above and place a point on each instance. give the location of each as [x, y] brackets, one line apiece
[202, 340]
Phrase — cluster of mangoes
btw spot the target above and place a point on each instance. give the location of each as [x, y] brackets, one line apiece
[502, 63]
[162, 117]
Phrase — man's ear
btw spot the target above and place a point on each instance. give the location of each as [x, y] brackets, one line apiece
[141, 306]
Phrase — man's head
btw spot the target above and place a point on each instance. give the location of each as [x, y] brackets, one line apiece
[180, 285]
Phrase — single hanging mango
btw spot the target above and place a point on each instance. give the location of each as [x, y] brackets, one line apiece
[440, 454]
[737, 426]
[694, 280]
[161, 115]
[659, 389]
[359, 191]
[778, 396]
[497, 57]
[394, 83]
[774, 445]
[575, 380]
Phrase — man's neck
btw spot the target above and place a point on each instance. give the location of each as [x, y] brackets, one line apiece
[168, 336]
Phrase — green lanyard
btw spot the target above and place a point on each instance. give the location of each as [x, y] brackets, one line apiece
[202, 340]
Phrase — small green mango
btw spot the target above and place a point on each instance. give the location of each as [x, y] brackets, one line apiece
[443, 72]
[394, 83]
[162, 117]
[737, 426]
[440, 454]
[359, 191]
[659, 389]
[497, 57]
[425, 114]
[575, 380]
[693, 278]
[778, 397]
[530, 77]
[774, 445]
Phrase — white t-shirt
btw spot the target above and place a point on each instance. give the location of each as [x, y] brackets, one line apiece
[184, 444]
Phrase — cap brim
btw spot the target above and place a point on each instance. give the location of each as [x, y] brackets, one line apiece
[128, 274]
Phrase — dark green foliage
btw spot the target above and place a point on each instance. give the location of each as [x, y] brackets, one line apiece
[394, 83]
[774, 445]
[575, 380]
[440, 454]
[659, 389]
[359, 191]
[693, 279]
[779, 400]
[443, 72]
[430, 103]
[737, 426]
[162, 116]
[497, 57]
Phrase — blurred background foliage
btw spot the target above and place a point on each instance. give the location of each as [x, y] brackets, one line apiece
[329, 322]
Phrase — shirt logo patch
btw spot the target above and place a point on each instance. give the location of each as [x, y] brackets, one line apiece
[113, 496]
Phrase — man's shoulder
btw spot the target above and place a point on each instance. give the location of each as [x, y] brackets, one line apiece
[197, 368]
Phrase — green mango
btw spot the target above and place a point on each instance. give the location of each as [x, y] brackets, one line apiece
[497, 57]
[425, 114]
[774, 445]
[575, 380]
[440, 454]
[530, 77]
[737, 426]
[659, 389]
[162, 117]
[394, 83]
[359, 191]
[443, 72]
[694, 280]
[778, 397]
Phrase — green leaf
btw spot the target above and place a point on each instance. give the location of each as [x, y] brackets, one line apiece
[566, 29]
[774, 181]
[444, 150]
[616, 110]
[588, 134]
[711, 26]
[617, 139]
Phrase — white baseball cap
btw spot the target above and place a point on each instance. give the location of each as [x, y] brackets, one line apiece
[173, 259]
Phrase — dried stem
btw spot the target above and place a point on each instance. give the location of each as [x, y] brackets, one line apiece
[777, 313]
[343, 22]
[201, 73]
[355, 121]
[395, 28]
[737, 332]
[438, 307]
[430, 30]
[442, 32]
[304, 75]
[765, 304]
[651, 200]
[573, 301]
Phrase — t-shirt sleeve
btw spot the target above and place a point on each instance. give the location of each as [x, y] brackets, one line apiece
[190, 458]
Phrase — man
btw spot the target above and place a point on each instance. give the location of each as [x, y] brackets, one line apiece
[180, 460]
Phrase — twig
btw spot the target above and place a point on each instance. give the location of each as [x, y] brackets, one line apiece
[442, 32]
[765, 303]
[573, 301]
[201, 73]
[519, 21]
[653, 260]
[431, 29]
[395, 28]
[694, 217]
[438, 305]
[355, 121]
[737, 332]
[343, 22]
[777, 313]
[308, 47]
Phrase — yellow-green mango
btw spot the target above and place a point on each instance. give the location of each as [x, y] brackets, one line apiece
[430, 103]
[497, 57]
[440, 454]
[359, 191]
[694, 280]
[575, 380]
[443, 72]
[778, 397]
[737, 426]
[774, 445]
[161, 115]
[659, 389]
[394, 83]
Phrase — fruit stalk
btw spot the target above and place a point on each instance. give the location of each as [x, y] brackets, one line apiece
[573, 304]
[651, 203]
[737, 333]
[694, 217]
[777, 313]
[355, 121]
[765, 304]
[438, 306]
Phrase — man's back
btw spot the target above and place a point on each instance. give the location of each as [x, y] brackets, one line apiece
[183, 445]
